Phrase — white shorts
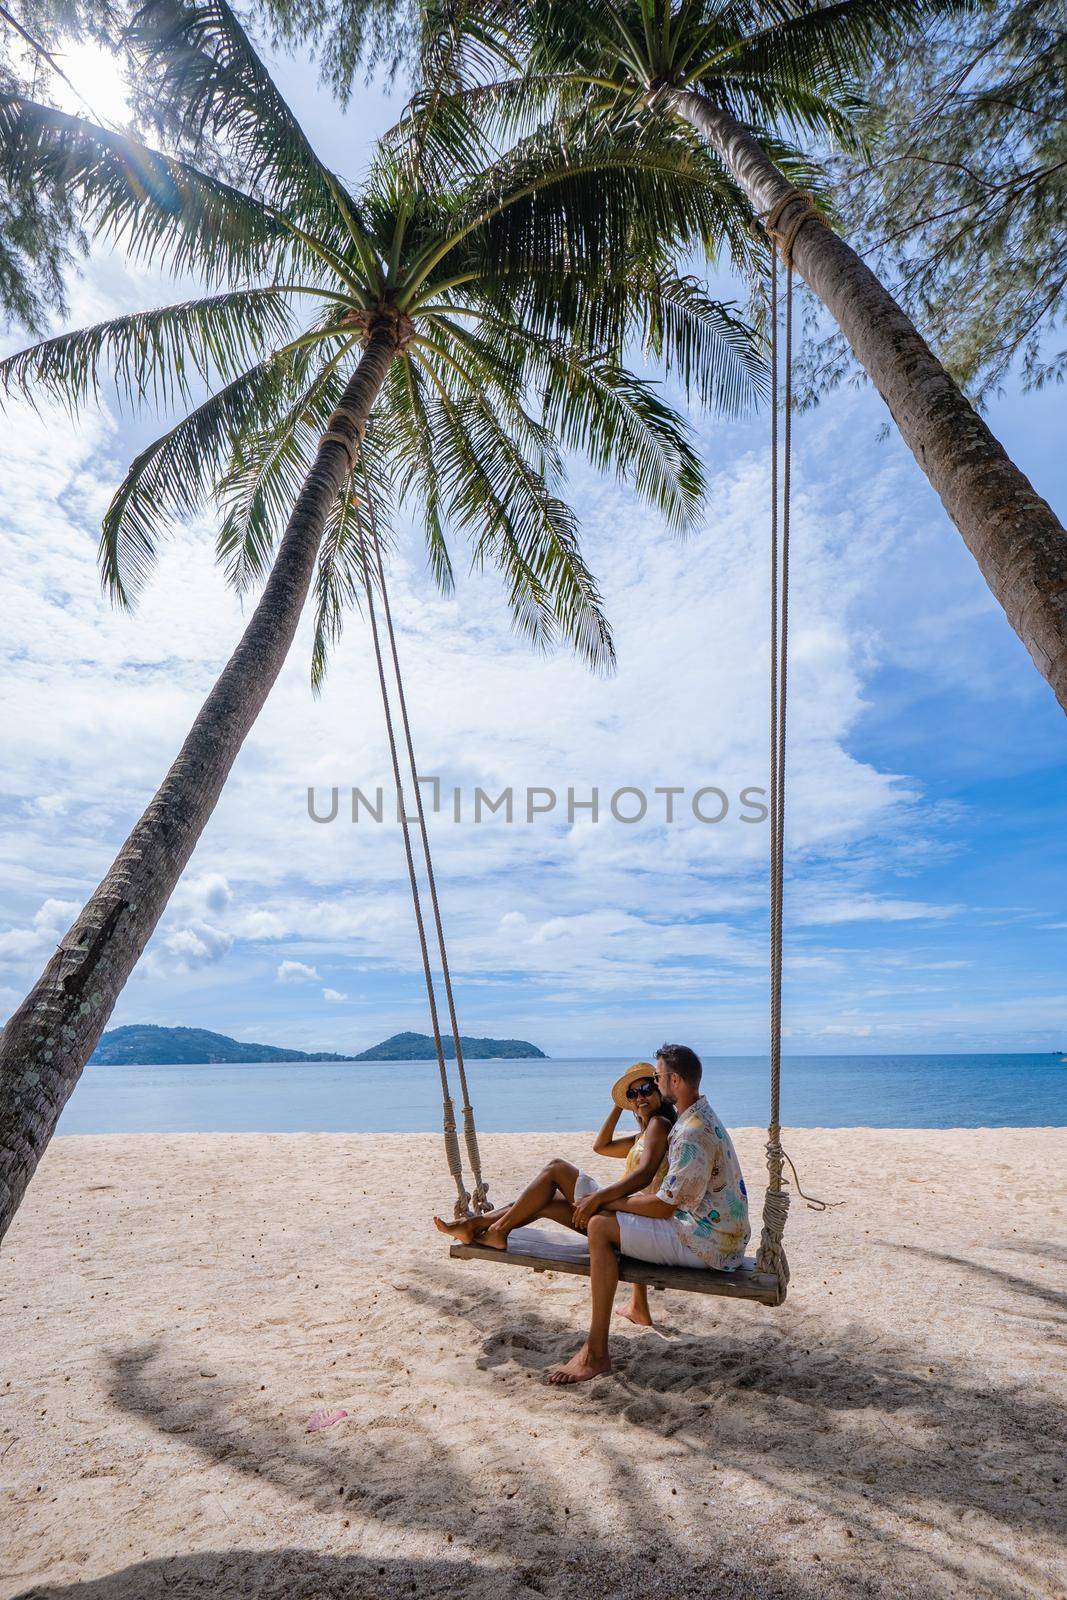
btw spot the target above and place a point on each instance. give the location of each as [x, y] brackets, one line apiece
[655, 1239]
[584, 1185]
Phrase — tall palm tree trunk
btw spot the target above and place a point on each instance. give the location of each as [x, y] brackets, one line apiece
[1013, 534]
[50, 1037]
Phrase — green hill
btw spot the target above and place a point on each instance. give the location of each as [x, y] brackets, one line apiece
[144, 1044]
[420, 1047]
[147, 1045]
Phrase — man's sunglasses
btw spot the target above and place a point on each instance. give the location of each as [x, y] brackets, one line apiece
[643, 1087]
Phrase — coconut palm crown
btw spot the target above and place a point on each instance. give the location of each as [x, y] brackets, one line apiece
[511, 282]
[776, 64]
[786, 69]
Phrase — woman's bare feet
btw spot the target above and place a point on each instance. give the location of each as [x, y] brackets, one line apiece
[580, 1368]
[463, 1230]
[495, 1238]
[637, 1314]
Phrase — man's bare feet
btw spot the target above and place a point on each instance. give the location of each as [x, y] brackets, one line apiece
[634, 1314]
[580, 1368]
[462, 1230]
[494, 1238]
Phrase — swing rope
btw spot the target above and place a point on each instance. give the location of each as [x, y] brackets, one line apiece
[771, 1257]
[452, 1153]
[480, 1197]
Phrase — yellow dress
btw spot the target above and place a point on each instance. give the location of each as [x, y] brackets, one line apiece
[636, 1155]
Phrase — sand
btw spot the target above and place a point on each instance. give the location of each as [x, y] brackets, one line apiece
[175, 1308]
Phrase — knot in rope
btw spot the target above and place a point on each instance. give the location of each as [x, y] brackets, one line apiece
[771, 1257]
[784, 237]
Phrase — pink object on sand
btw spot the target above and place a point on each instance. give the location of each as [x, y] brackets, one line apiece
[325, 1419]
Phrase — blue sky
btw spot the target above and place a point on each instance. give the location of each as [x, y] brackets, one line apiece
[927, 893]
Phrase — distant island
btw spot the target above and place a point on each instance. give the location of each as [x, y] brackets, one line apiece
[420, 1047]
[148, 1046]
[145, 1045]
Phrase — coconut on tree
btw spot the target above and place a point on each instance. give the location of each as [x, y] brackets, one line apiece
[438, 339]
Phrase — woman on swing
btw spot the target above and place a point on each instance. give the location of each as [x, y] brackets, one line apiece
[564, 1194]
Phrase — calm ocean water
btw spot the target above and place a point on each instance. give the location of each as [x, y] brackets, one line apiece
[538, 1096]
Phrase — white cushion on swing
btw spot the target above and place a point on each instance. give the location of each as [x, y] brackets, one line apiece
[541, 1242]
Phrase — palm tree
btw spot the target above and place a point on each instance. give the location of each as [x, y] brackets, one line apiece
[466, 322]
[732, 71]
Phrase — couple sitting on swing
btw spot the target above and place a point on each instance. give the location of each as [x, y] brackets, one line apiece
[681, 1201]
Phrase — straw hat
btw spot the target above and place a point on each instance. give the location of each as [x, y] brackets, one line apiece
[634, 1074]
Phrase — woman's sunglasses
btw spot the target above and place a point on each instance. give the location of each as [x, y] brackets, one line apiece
[644, 1087]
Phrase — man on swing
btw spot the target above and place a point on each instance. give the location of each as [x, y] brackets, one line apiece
[697, 1218]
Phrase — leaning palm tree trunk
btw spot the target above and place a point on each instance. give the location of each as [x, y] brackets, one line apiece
[50, 1037]
[1018, 542]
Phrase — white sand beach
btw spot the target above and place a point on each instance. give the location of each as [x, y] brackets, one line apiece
[174, 1309]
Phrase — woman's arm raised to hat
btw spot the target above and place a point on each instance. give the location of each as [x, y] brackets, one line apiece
[606, 1144]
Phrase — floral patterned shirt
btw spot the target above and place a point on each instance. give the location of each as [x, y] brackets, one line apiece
[705, 1186]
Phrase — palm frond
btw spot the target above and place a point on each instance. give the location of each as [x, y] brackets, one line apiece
[621, 424]
[581, 192]
[467, 361]
[529, 534]
[264, 476]
[154, 355]
[338, 577]
[416, 473]
[208, 81]
[152, 206]
[346, 555]
[707, 345]
[174, 476]
[827, 47]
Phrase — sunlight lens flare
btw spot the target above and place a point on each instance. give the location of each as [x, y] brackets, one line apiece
[97, 86]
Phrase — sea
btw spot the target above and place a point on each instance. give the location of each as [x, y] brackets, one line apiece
[906, 1091]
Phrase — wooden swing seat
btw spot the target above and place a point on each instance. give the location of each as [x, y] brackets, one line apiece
[545, 1252]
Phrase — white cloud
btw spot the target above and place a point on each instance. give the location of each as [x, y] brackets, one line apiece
[260, 925]
[188, 948]
[825, 908]
[333, 995]
[48, 805]
[50, 923]
[211, 890]
[296, 972]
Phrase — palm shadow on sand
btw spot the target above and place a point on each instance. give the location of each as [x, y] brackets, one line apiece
[781, 1411]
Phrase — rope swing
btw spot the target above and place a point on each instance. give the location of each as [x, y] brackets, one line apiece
[768, 1280]
[479, 1196]
[771, 1257]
